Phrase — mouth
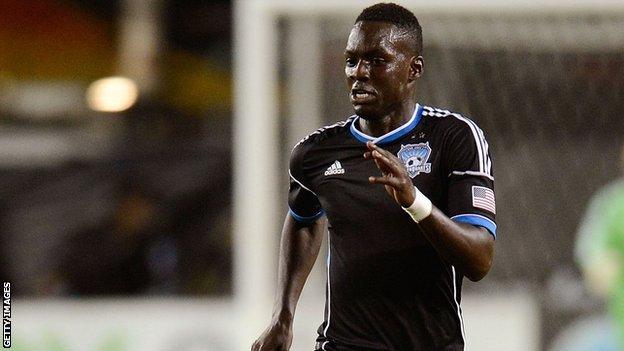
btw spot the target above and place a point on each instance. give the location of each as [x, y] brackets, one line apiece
[362, 96]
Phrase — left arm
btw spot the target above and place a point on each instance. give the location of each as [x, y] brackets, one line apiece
[465, 246]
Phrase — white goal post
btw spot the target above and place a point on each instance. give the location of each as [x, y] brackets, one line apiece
[257, 141]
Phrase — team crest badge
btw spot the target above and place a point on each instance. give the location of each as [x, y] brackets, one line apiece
[415, 157]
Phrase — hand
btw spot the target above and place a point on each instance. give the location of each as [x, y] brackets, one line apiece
[277, 337]
[394, 177]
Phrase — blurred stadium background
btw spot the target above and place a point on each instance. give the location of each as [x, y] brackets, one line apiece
[143, 149]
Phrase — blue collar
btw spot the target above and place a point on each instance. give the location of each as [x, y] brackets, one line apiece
[392, 135]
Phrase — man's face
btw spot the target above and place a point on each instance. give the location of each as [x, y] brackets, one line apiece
[380, 69]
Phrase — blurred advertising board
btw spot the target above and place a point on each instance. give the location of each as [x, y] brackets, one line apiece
[122, 325]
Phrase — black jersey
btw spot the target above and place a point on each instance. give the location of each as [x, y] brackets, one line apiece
[387, 288]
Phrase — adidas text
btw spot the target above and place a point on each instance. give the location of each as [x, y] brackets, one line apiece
[335, 168]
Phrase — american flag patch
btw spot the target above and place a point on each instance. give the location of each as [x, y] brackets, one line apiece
[483, 198]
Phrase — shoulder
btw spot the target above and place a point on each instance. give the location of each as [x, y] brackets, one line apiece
[322, 135]
[464, 142]
[452, 122]
[319, 137]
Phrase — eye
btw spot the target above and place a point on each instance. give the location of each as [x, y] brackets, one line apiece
[378, 61]
[351, 62]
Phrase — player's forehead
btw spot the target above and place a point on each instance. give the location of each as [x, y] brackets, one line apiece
[368, 36]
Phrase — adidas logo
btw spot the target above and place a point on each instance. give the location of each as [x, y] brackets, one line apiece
[335, 168]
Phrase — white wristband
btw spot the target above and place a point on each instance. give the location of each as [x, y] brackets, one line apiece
[420, 208]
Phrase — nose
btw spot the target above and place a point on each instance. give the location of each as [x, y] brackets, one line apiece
[361, 71]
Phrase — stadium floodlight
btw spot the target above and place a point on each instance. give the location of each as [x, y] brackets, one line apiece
[112, 94]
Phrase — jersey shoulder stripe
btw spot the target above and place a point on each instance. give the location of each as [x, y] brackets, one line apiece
[485, 163]
[324, 130]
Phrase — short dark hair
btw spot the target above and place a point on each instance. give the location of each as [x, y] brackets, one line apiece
[397, 15]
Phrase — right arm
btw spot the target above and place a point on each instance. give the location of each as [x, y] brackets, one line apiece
[299, 248]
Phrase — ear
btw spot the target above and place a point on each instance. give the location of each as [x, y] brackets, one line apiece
[417, 64]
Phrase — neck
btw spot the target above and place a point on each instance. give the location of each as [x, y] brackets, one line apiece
[380, 126]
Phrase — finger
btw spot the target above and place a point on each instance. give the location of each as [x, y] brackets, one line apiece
[390, 181]
[370, 145]
[385, 170]
[368, 155]
[385, 153]
[381, 166]
[373, 147]
[391, 163]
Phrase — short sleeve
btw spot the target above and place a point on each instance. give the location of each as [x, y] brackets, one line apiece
[303, 203]
[471, 182]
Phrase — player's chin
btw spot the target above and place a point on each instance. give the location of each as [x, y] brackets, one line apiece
[366, 111]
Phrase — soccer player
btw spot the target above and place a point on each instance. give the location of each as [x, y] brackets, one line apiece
[600, 249]
[406, 191]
